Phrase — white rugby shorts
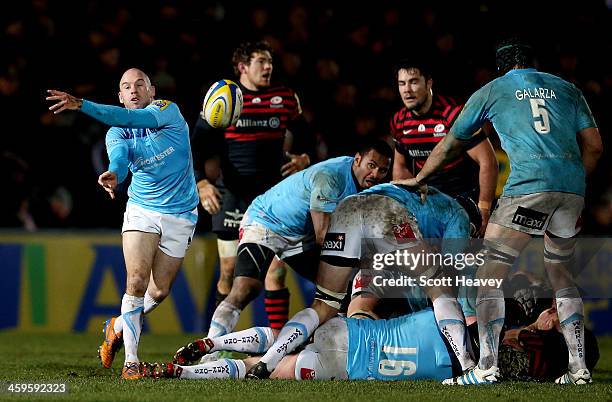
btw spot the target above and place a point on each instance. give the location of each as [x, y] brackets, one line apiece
[175, 230]
[554, 212]
[362, 226]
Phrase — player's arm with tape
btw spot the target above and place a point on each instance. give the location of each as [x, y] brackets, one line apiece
[481, 151]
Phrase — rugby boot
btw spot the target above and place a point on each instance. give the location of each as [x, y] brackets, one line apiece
[475, 376]
[258, 372]
[113, 341]
[580, 377]
[193, 351]
[160, 370]
[131, 371]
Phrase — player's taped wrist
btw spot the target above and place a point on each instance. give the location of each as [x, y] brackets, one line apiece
[484, 205]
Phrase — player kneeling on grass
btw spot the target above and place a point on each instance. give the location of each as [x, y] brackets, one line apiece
[150, 138]
[290, 221]
[379, 221]
[409, 347]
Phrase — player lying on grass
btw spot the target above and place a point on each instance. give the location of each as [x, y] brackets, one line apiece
[385, 220]
[405, 348]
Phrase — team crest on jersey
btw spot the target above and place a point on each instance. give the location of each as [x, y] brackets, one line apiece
[161, 104]
[403, 232]
[307, 374]
[274, 122]
[256, 100]
[276, 102]
[421, 127]
[334, 241]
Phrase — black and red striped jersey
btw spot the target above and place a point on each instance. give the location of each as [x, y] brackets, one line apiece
[251, 151]
[416, 136]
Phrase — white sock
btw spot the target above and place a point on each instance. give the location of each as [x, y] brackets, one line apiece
[295, 332]
[253, 340]
[451, 323]
[131, 310]
[223, 320]
[224, 368]
[491, 312]
[150, 303]
[118, 324]
[571, 317]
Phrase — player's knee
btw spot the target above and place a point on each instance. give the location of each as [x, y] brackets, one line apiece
[499, 254]
[327, 299]
[556, 255]
[158, 294]
[253, 261]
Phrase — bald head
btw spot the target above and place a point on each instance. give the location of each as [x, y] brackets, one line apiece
[135, 89]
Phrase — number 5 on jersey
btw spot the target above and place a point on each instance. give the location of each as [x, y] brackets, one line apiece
[541, 122]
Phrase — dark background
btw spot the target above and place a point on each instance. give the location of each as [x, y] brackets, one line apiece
[337, 55]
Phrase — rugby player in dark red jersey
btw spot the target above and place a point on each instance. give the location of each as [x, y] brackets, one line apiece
[235, 165]
[423, 121]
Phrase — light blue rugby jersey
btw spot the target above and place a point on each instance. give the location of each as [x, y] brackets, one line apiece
[153, 143]
[285, 208]
[404, 348]
[537, 117]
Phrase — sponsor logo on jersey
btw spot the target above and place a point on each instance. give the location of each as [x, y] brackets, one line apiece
[274, 122]
[416, 153]
[407, 131]
[140, 162]
[253, 123]
[161, 104]
[232, 219]
[334, 241]
[307, 374]
[402, 232]
[276, 100]
[439, 128]
[256, 100]
[529, 218]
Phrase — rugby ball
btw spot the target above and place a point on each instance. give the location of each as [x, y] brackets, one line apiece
[222, 104]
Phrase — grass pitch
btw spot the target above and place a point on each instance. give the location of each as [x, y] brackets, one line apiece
[43, 358]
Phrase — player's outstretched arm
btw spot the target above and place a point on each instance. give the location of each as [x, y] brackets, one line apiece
[112, 115]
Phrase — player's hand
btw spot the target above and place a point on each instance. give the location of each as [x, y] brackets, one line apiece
[210, 197]
[63, 101]
[485, 214]
[108, 181]
[413, 183]
[296, 163]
